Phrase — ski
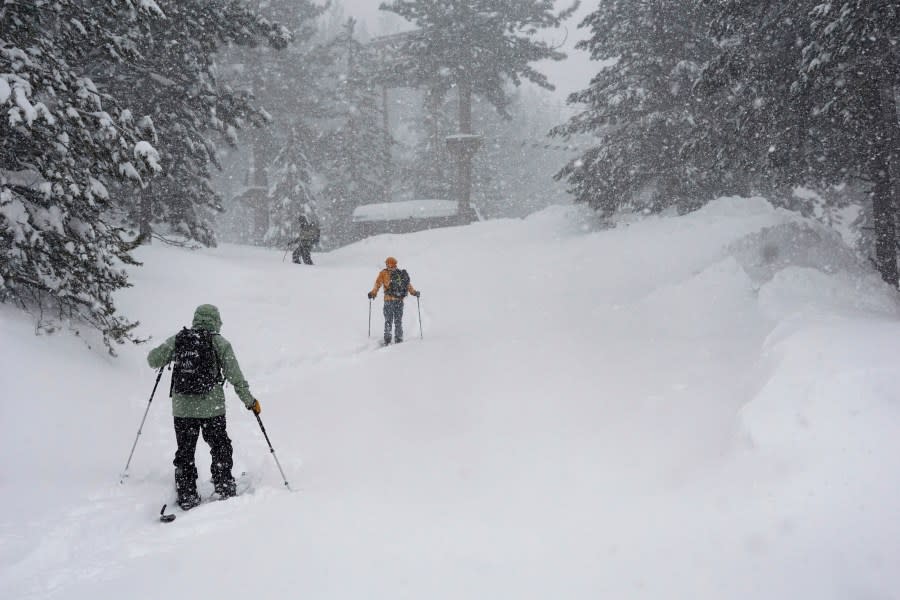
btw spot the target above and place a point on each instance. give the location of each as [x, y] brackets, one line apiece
[166, 518]
[242, 484]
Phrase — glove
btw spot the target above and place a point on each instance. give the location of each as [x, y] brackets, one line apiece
[256, 408]
[417, 294]
[371, 296]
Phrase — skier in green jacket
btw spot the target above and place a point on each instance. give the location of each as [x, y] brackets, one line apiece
[203, 361]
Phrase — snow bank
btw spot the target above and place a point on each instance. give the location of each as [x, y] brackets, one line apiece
[800, 265]
[795, 244]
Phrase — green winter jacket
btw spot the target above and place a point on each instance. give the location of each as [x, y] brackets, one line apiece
[211, 404]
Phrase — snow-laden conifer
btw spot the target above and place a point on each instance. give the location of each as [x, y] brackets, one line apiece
[175, 85]
[642, 107]
[64, 144]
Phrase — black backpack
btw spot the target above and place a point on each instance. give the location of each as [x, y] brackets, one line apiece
[196, 367]
[398, 288]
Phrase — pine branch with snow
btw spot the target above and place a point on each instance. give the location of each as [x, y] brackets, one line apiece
[64, 143]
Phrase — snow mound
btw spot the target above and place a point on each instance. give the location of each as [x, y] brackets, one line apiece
[567, 219]
[794, 244]
[673, 309]
[796, 289]
[800, 265]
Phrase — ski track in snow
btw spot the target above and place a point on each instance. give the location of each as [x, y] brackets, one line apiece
[632, 413]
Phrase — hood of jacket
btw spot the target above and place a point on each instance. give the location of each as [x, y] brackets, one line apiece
[207, 317]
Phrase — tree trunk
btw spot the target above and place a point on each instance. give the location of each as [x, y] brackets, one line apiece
[436, 157]
[885, 228]
[259, 198]
[145, 215]
[388, 166]
[885, 174]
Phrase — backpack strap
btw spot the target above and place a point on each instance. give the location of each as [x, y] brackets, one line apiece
[172, 358]
[221, 376]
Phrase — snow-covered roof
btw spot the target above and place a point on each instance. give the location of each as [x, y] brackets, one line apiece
[407, 209]
[463, 137]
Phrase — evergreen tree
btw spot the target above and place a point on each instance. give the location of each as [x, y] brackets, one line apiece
[804, 93]
[294, 81]
[642, 107]
[760, 134]
[290, 195]
[852, 67]
[432, 173]
[175, 83]
[352, 153]
[64, 143]
[480, 46]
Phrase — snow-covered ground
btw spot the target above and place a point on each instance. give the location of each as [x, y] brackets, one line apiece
[686, 407]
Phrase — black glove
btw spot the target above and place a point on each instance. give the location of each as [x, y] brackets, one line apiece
[417, 294]
[371, 296]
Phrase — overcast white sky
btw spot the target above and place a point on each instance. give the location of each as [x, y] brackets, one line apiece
[570, 75]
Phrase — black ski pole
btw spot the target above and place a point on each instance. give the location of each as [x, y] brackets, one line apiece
[370, 317]
[125, 472]
[419, 306]
[261, 426]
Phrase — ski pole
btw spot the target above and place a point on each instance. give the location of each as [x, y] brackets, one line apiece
[419, 306]
[273, 452]
[370, 317]
[125, 472]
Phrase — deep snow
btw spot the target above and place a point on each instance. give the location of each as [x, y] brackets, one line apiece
[695, 407]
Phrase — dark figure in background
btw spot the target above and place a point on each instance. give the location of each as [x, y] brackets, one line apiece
[396, 286]
[309, 237]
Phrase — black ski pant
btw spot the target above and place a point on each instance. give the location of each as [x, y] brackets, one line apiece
[187, 430]
[393, 319]
[303, 251]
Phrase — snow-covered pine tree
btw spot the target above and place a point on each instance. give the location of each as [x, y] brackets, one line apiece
[293, 81]
[642, 107]
[852, 65]
[431, 174]
[352, 153]
[758, 131]
[290, 194]
[481, 46]
[63, 144]
[175, 84]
